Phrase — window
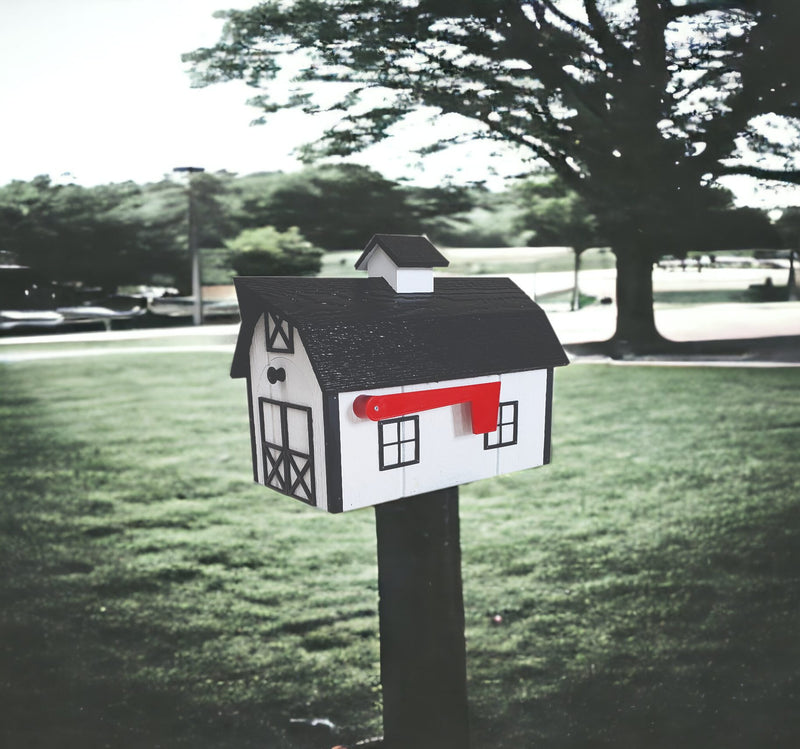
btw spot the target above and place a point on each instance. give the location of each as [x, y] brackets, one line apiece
[506, 433]
[280, 334]
[398, 442]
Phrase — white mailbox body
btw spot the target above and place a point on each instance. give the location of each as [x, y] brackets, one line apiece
[310, 347]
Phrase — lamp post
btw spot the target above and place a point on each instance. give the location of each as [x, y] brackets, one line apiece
[197, 284]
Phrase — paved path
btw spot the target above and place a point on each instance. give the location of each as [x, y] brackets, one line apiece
[8, 357]
[702, 322]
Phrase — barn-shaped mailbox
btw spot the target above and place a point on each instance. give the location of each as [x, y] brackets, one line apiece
[365, 390]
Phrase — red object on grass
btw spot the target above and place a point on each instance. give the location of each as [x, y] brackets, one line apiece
[484, 401]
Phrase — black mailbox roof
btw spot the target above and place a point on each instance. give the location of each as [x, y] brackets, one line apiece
[359, 333]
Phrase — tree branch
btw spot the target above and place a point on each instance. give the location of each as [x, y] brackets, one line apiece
[652, 43]
[575, 24]
[602, 33]
[706, 6]
[777, 175]
[549, 69]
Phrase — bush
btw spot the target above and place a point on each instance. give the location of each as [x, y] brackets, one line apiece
[269, 252]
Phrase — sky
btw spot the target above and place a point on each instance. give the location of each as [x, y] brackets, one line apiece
[94, 91]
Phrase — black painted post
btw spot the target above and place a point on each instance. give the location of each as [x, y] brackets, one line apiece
[423, 652]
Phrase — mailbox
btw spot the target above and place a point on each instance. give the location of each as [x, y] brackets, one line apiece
[366, 390]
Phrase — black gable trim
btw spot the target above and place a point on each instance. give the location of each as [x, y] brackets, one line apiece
[333, 451]
[250, 313]
[548, 418]
[251, 413]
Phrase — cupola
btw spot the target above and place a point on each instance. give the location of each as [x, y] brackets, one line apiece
[405, 261]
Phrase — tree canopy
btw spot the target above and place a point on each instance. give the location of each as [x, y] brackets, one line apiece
[331, 203]
[123, 234]
[267, 251]
[637, 105]
[100, 236]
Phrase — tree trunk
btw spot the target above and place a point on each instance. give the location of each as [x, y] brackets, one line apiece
[636, 325]
[576, 292]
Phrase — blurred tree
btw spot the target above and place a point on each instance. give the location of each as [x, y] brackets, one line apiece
[101, 236]
[336, 206]
[66, 230]
[553, 214]
[724, 227]
[478, 218]
[637, 105]
[433, 203]
[215, 219]
[157, 212]
[23, 216]
[340, 206]
[268, 252]
[127, 233]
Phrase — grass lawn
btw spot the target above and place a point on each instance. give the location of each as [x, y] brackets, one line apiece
[704, 296]
[648, 580]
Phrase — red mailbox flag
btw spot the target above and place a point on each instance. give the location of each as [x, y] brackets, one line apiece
[484, 401]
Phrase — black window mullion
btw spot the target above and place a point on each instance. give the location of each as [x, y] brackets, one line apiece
[507, 422]
[390, 436]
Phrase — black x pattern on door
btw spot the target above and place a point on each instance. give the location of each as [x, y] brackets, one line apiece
[287, 440]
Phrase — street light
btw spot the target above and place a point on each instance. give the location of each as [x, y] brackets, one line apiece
[197, 284]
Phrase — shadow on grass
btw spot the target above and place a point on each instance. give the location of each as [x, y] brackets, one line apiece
[709, 658]
[51, 699]
[721, 672]
[91, 655]
[68, 684]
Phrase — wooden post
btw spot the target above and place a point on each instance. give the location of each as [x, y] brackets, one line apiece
[423, 652]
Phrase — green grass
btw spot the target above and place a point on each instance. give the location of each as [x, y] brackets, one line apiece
[702, 296]
[151, 595]
[705, 296]
[563, 299]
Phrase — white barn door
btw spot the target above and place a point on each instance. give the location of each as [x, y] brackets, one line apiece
[288, 449]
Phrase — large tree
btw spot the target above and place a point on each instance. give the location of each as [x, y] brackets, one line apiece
[637, 105]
